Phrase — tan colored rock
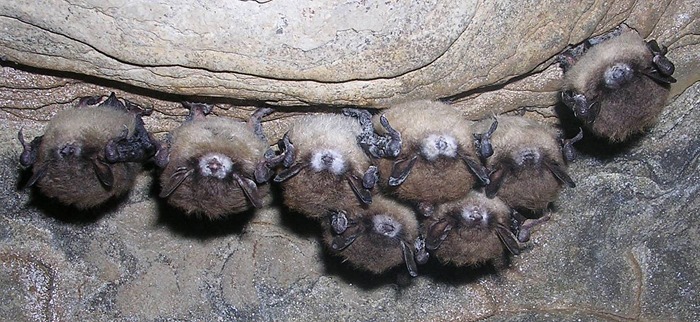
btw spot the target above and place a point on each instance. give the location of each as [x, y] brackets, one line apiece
[622, 245]
[327, 52]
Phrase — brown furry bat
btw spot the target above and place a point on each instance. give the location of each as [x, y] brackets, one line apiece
[438, 160]
[89, 154]
[325, 168]
[528, 166]
[211, 164]
[619, 86]
[470, 231]
[374, 238]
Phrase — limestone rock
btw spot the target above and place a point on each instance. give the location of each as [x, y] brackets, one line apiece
[621, 246]
[326, 52]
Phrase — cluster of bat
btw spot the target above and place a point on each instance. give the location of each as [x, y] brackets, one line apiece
[364, 177]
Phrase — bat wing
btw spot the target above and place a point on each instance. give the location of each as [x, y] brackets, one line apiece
[399, 171]
[250, 189]
[175, 181]
[508, 239]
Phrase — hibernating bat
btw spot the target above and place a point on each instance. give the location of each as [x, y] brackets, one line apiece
[617, 84]
[214, 166]
[374, 238]
[528, 162]
[437, 162]
[471, 231]
[324, 167]
[89, 154]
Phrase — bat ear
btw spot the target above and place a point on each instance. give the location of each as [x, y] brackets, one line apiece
[113, 102]
[357, 187]
[437, 233]
[290, 172]
[262, 172]
[198, 110]
[409, 259]
[175, 181]
[255, 122]
[29, 151]
[496, 180]
[587, 112]
[568, 146]
[658, 76]
[508, 239]
[135, 148]
[103, 171]
[370, 178]
[579, 104]
[288, 150]
[250, 189]
[560, 174]
[339, 221]
[483, 141]
[422, 254]
[400, 170]
[162, 156]
[476, 168]
[663, 65]
[392, 147]
[38, 173]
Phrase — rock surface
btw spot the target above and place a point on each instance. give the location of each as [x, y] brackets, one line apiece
[621, 246]
[326, 52]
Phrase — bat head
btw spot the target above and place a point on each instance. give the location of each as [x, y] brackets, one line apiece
[437, 145]
[329, 160]
[474, 216]
[215, 165]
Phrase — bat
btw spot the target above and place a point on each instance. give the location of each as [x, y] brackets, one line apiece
[89, 154]
[616, 84]
[214, 166]
[323, 167]
[375, 238]
[437, 162]
[528, 161]
[471, 231]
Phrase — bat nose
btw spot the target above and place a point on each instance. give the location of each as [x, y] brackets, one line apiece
[529, 156]
[68, 150]
[327, 159]
[441, 144]
[214, 166]
[386, 229]
[476, 216]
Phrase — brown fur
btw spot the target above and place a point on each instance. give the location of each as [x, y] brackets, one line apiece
[465, 246]
[314, 193]
[73, 181]
[209, 196]
[432, 182]
[371, 251]
[530, 187]
[629, 109]
[627, 112]
[429, 181]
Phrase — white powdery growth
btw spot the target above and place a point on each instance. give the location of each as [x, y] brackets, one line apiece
[328, 160]
[386, 226]
[215, 165]
[436, 145]
[475, 215]
[618, 74]
[527, 156]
